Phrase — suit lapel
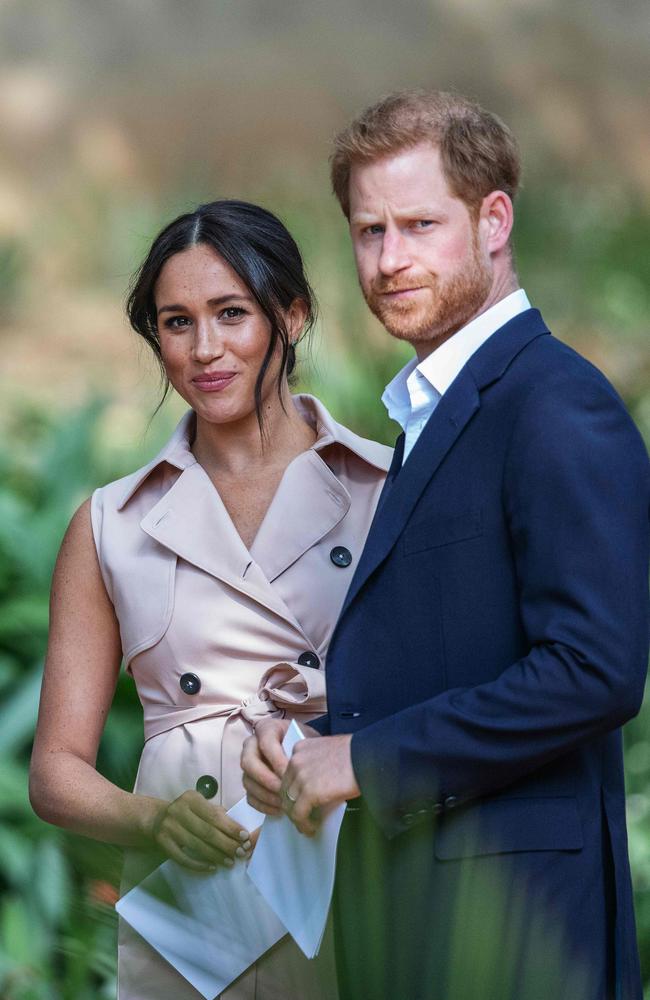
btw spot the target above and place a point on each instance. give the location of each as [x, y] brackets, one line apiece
[191, 520]
[458, 405]
[400, 496]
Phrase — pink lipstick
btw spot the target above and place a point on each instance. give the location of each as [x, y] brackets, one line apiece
[213, 381]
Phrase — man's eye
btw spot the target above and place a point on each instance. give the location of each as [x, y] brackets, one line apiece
[375, 230]
[423, 223]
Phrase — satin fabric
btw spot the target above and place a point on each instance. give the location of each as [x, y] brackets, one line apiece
[191, 598]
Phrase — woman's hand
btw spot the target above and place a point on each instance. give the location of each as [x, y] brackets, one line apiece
[199, 835]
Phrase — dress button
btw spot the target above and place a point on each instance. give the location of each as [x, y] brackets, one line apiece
[309, 660]
[451, 801]
[207, 786]
[437, 808]
[190, 684]
[408, 819]
[341, 556]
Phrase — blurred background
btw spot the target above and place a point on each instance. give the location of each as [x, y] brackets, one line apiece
[116, 117]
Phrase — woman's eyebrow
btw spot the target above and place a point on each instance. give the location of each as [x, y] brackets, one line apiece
[219, 301]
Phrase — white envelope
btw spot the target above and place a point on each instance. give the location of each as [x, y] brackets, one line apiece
[294, 873]
[210, 927]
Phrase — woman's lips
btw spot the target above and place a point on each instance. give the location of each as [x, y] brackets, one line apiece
[213, 381]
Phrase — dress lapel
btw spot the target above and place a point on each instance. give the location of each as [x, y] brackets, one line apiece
[191, 520]
[308, 503]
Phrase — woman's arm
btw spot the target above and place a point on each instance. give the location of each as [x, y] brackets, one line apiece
[81, 671]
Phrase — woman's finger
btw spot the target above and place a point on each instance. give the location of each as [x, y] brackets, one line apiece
[175, 851]
[213, 837]
[217, 817]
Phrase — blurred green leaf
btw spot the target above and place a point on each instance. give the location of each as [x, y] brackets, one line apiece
[19, 711]
[51, 880]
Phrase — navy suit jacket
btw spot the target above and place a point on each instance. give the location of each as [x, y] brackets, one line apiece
[495, 634]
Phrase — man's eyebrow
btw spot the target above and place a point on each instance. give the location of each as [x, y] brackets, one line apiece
[219, 301]
[414, 212]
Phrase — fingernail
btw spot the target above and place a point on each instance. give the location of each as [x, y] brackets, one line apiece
[243, 835]
[240, 852]
[228, 862]
[247, 846]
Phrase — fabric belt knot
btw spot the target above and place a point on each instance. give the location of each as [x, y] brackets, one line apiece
[259, 706]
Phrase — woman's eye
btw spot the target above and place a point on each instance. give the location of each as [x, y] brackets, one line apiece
[176, 322]
[233, 312]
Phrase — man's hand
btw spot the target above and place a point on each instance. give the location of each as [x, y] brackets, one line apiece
[263, 762]
[319, 774]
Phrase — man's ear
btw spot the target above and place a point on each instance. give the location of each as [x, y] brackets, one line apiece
[495, 220]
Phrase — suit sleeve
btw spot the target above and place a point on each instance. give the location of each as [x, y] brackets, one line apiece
[321, 725]
[576, 490]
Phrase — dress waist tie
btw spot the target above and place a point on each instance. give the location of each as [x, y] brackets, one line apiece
[286, 689]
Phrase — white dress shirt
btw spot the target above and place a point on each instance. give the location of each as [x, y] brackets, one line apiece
[412, 396]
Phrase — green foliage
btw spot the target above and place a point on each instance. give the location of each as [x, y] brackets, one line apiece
[13, 270]
[57, 940]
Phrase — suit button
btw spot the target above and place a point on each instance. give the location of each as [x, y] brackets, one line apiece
[207, 786]
[309, 660]
[341, 556]
[190, 684]
[408, 819]
[451, 801]
[437, 808]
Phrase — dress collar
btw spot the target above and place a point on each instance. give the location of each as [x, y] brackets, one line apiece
[177, 451]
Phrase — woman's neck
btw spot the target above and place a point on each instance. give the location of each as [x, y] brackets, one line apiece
[234, 449]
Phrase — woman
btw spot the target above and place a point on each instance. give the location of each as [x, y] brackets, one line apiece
[216, 572]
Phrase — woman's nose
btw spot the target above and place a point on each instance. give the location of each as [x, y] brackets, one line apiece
[208, 342]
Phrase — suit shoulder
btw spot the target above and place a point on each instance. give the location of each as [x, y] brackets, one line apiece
[551, 360]
[550, 373]
[561, 401]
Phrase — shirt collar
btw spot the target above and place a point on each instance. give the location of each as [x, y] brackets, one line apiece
[177, 452]
[441, 367]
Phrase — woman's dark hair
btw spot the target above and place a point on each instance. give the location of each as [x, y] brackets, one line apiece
[262, 253]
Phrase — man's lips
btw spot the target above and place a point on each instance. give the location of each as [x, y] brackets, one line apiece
[213, 381]
[397, 293]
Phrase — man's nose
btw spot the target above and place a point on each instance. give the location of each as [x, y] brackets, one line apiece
[208, 341]
[395, 254]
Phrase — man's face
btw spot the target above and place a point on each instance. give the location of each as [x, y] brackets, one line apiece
[423, 266]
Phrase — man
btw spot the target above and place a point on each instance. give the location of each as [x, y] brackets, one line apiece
[494, 637]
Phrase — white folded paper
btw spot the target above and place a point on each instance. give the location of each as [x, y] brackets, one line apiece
[294, 873]
[212, 927]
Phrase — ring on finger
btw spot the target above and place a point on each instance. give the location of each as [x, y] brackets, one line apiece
[291, 798]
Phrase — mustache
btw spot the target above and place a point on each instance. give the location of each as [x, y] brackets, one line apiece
[390, 285]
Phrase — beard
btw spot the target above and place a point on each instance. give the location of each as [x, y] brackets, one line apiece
[440, 309]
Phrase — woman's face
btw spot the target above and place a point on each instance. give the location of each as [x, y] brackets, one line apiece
[213, 335]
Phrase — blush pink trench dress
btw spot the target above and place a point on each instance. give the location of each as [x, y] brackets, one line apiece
[217, 636]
